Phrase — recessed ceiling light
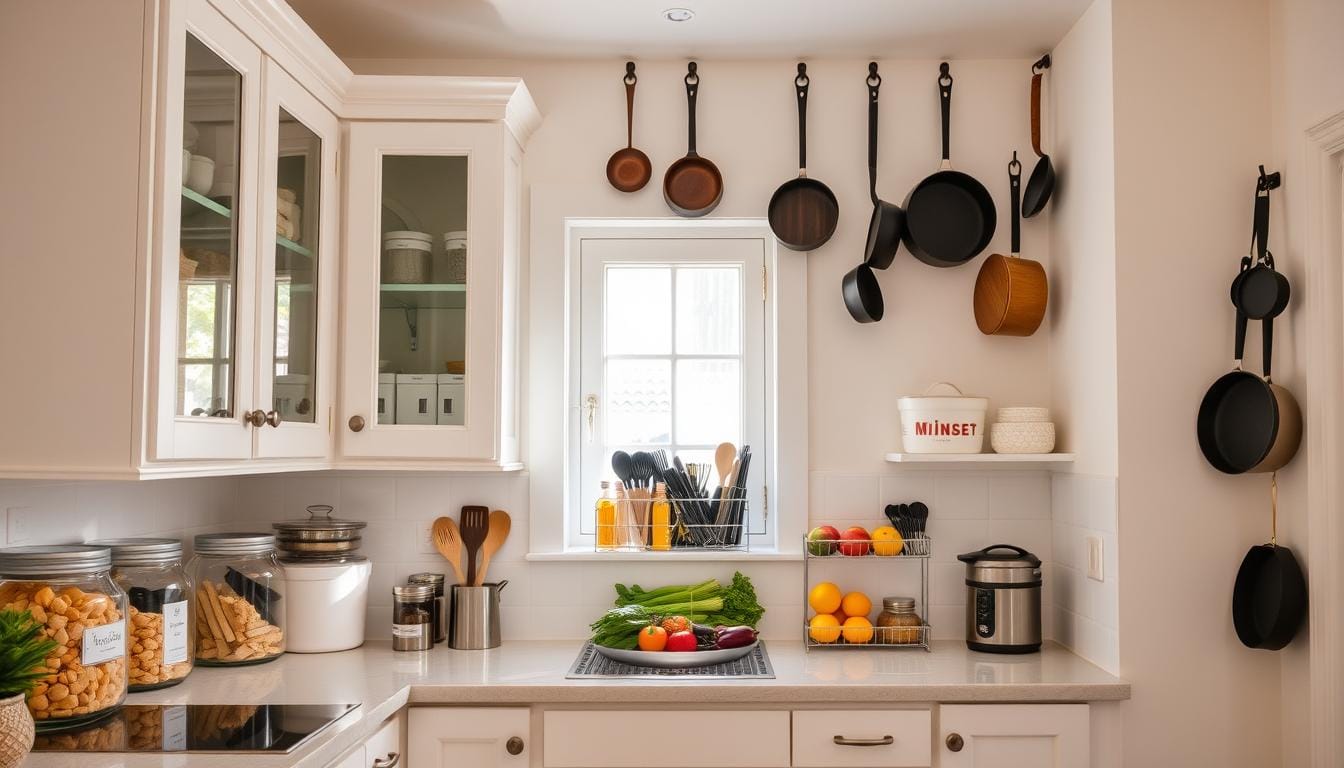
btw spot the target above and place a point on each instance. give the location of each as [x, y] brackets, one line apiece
[679, 14]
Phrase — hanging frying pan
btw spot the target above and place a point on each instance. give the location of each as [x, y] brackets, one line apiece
[863, 296]
[1042, 181]
[693, 185]
[1011, 292]
[629, 169]
[949, 216]
[803, 212]
[1261, 292]
[1269, 598]
[887, 223]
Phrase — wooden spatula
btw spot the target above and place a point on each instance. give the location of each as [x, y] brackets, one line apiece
[475, 527]
[500, 522]
[448, 540]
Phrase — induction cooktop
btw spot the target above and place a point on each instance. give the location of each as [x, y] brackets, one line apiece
[224, 728]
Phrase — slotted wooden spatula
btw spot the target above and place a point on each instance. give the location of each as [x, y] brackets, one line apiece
[448, 540]
[475, 527]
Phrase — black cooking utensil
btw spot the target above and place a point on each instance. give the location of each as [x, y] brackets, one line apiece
[919, 514]
[803, 212]
[863, 296]
[1269, 598]
[624, 467]
[263, 598]
[1261, 292]
[1042, 181]
[887, 223]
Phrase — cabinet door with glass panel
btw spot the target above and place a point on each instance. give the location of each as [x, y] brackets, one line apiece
[297, 273]
[206, 311]
[423, 308]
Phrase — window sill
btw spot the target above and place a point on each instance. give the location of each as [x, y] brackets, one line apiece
[589, 556]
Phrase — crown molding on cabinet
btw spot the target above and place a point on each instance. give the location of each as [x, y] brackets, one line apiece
[419, 97]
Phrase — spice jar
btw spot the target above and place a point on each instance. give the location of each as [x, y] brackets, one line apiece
[898, 624]
[159, 636]
[240, 610]
[412, 617]
[69, 591]
[439, 617]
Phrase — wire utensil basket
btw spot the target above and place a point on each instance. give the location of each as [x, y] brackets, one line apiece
[637, 524]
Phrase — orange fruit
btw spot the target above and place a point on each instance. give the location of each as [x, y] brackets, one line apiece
[824, 598]
[858, 630]
[840, 617]
[887, 541]
[856, 604]
[824, 628]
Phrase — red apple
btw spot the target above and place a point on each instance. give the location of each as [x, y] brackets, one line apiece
[821, 540]
[854, 542]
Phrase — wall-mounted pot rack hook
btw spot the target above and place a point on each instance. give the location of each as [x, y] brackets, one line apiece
[1041, 64]
[1269, 181]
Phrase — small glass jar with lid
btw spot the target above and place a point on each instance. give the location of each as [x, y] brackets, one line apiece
[439, 620]
[159, 637]
[898, 624]
[239, 590]
[412, 617]
[69, 592]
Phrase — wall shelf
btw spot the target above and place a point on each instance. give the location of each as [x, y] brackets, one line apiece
[423, 295]
[983, 460]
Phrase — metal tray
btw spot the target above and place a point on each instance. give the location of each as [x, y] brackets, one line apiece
[676, 660]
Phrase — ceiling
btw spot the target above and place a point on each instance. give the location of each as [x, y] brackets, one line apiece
[732, 29]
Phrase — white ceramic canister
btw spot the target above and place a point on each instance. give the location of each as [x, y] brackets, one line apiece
[943, 423]
[326, 604]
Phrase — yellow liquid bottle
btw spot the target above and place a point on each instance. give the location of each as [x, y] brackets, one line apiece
[661, 519]
[606, 519]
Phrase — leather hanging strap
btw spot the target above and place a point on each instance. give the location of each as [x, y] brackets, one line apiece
[1036, 114]
[874, 82]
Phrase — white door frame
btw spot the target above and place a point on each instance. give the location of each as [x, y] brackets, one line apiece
[1324, 247]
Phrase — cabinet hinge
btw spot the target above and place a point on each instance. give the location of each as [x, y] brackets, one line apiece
[765, 282]
[765, 503]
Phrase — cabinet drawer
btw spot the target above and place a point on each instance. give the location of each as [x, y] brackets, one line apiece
[383, 749]
[815, 733]
[677, 739]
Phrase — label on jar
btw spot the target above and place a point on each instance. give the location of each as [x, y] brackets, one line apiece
[174, 726]
[103, 644]
[408, 630]
[174, 632]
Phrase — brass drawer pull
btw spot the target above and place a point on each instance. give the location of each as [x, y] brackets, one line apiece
[885, 741]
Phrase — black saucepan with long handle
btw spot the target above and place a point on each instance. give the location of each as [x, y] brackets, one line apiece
[949, 216]
[803, 212]
[1269, 598]
[888, 220]
[863, 295]
[1041, 183]
[1261, 292]
[693, 185]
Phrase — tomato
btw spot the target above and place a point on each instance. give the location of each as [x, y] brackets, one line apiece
[680, 641]
[652, 638]
[676, 624]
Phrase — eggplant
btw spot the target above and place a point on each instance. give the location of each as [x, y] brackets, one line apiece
[734, 637]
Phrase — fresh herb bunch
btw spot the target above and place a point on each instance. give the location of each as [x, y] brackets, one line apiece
[23, 653]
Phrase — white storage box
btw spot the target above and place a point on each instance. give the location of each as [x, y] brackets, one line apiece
[387, 398]
[452, 390]
[943, 423]
[416, 393]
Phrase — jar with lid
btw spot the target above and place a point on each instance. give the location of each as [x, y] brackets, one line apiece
[68, 590]
[412, 617]
[326, 581]
[158, 640]
[898, 624]
[240, 608]
[439, 620]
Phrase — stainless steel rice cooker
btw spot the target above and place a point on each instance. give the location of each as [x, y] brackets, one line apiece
[1003, 599]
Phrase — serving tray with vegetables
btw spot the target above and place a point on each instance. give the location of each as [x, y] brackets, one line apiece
[676, 659]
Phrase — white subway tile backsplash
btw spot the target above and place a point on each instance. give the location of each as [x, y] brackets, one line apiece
[368, 497]
[852, 497]
[1086, 613]
[962, 496]
[904, 487]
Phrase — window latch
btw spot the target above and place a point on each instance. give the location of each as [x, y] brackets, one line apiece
[590, 406]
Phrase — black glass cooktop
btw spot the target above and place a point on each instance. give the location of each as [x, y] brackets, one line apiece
[229, 728]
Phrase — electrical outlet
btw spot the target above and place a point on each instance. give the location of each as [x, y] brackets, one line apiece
[1094, 564]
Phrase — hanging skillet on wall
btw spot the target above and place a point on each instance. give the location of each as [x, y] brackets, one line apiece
[1042, 180]
[803, 212]
[1269, 598]
[693, 185]
[887, 223]
[629, 168]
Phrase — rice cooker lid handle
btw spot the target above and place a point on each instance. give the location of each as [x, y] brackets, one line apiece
[989, 554]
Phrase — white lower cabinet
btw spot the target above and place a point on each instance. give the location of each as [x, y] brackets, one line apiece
[381, 750]
[451, 737]
[1014, 735]
[835, 738]
[668, 739]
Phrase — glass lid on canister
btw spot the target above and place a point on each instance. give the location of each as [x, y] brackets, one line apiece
[320, 537]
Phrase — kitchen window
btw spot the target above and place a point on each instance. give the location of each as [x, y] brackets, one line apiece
[673, 348]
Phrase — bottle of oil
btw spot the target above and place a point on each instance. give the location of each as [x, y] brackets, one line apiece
[661, 519]
[606, 519]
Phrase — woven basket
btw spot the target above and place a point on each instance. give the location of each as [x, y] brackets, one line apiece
[16, 731]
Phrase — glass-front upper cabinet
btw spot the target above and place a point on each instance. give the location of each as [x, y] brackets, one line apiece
[425, 256]
[295, 344]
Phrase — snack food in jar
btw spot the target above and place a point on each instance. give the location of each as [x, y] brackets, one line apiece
[898, 624]
[239, 593]
[69, 591]
[159, 638]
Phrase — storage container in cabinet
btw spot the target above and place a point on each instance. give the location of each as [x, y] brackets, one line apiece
[416, 393]
[452, 389]
[896, 738]
[387, 398]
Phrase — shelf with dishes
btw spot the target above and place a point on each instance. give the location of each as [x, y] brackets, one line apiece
[948, 428]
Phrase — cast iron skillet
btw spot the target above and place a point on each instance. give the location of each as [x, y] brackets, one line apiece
[803, 212]
[949, 216]
[887, 223]
[1042, 180]
[1269, 598]
[863, 296]
[693, 185]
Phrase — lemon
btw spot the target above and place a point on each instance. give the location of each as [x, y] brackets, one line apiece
[856, 604]
[824, 598]
[824, 628]
[887, 541]
[858, 630]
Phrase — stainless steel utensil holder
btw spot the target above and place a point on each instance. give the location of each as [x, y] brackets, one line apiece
[475, 617]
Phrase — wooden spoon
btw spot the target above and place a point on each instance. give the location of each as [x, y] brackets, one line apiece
[448, 540]
[500, 523]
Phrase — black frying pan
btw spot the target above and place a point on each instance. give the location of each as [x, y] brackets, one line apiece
[1260, 291]
[863, 296]
[949, 216]
[803, 212]
[1269, 598]
[887, 223]
[1042, 180]
[693, 185]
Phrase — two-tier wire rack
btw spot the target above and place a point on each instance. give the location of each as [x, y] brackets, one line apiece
[913, 550]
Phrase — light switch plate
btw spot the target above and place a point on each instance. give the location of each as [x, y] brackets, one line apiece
[1094, 564]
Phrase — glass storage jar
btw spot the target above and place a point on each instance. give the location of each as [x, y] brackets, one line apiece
[898, 624]
[412, 617]
[69, 592]
[240, 608]
[159, 637]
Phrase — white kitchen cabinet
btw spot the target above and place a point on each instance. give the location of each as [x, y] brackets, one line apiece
[693, 739]
[450, 737]
[1014, 735]
[381, 750]
[882, 738]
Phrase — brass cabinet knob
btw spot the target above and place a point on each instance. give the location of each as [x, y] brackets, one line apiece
[955, 742]
[273, 418]
[259, 418]
[514, 745]
[356, 423]
[392, 760]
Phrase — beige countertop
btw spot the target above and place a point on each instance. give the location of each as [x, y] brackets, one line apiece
[382, 681]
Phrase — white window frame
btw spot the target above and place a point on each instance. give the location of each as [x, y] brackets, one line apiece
[785, 468]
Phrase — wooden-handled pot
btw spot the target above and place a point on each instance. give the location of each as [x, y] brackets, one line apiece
[1011, 293]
